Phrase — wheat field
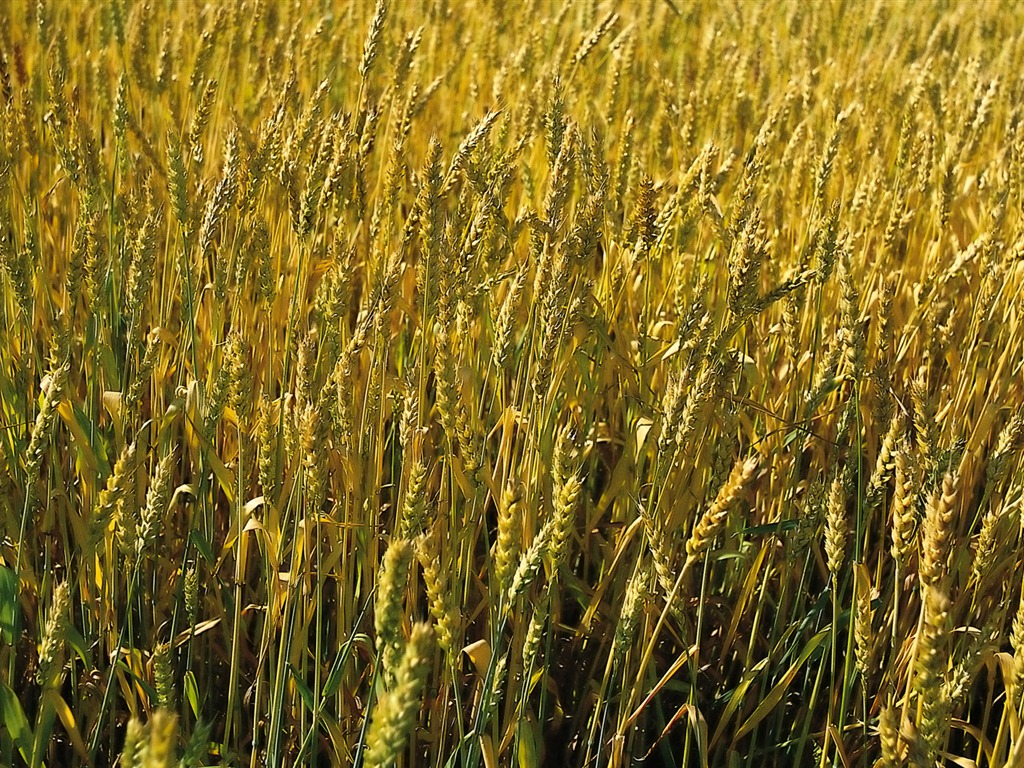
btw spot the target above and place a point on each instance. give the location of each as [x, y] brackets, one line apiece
[470, 383]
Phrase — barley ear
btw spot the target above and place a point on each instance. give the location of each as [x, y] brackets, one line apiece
[388, 610]
[904, 502]
[863, 634]
[711, 522]
[932, 658]
[395, 714]
[889, 736]
[507, 547]
[530, 564]
[938, 531]
[637, 593]
[439, 596]
[836, 526]
[51, 669]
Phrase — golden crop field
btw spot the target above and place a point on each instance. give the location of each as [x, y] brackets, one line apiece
[474, 383]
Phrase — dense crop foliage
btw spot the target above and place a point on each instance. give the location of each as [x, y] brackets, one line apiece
[486, 383]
